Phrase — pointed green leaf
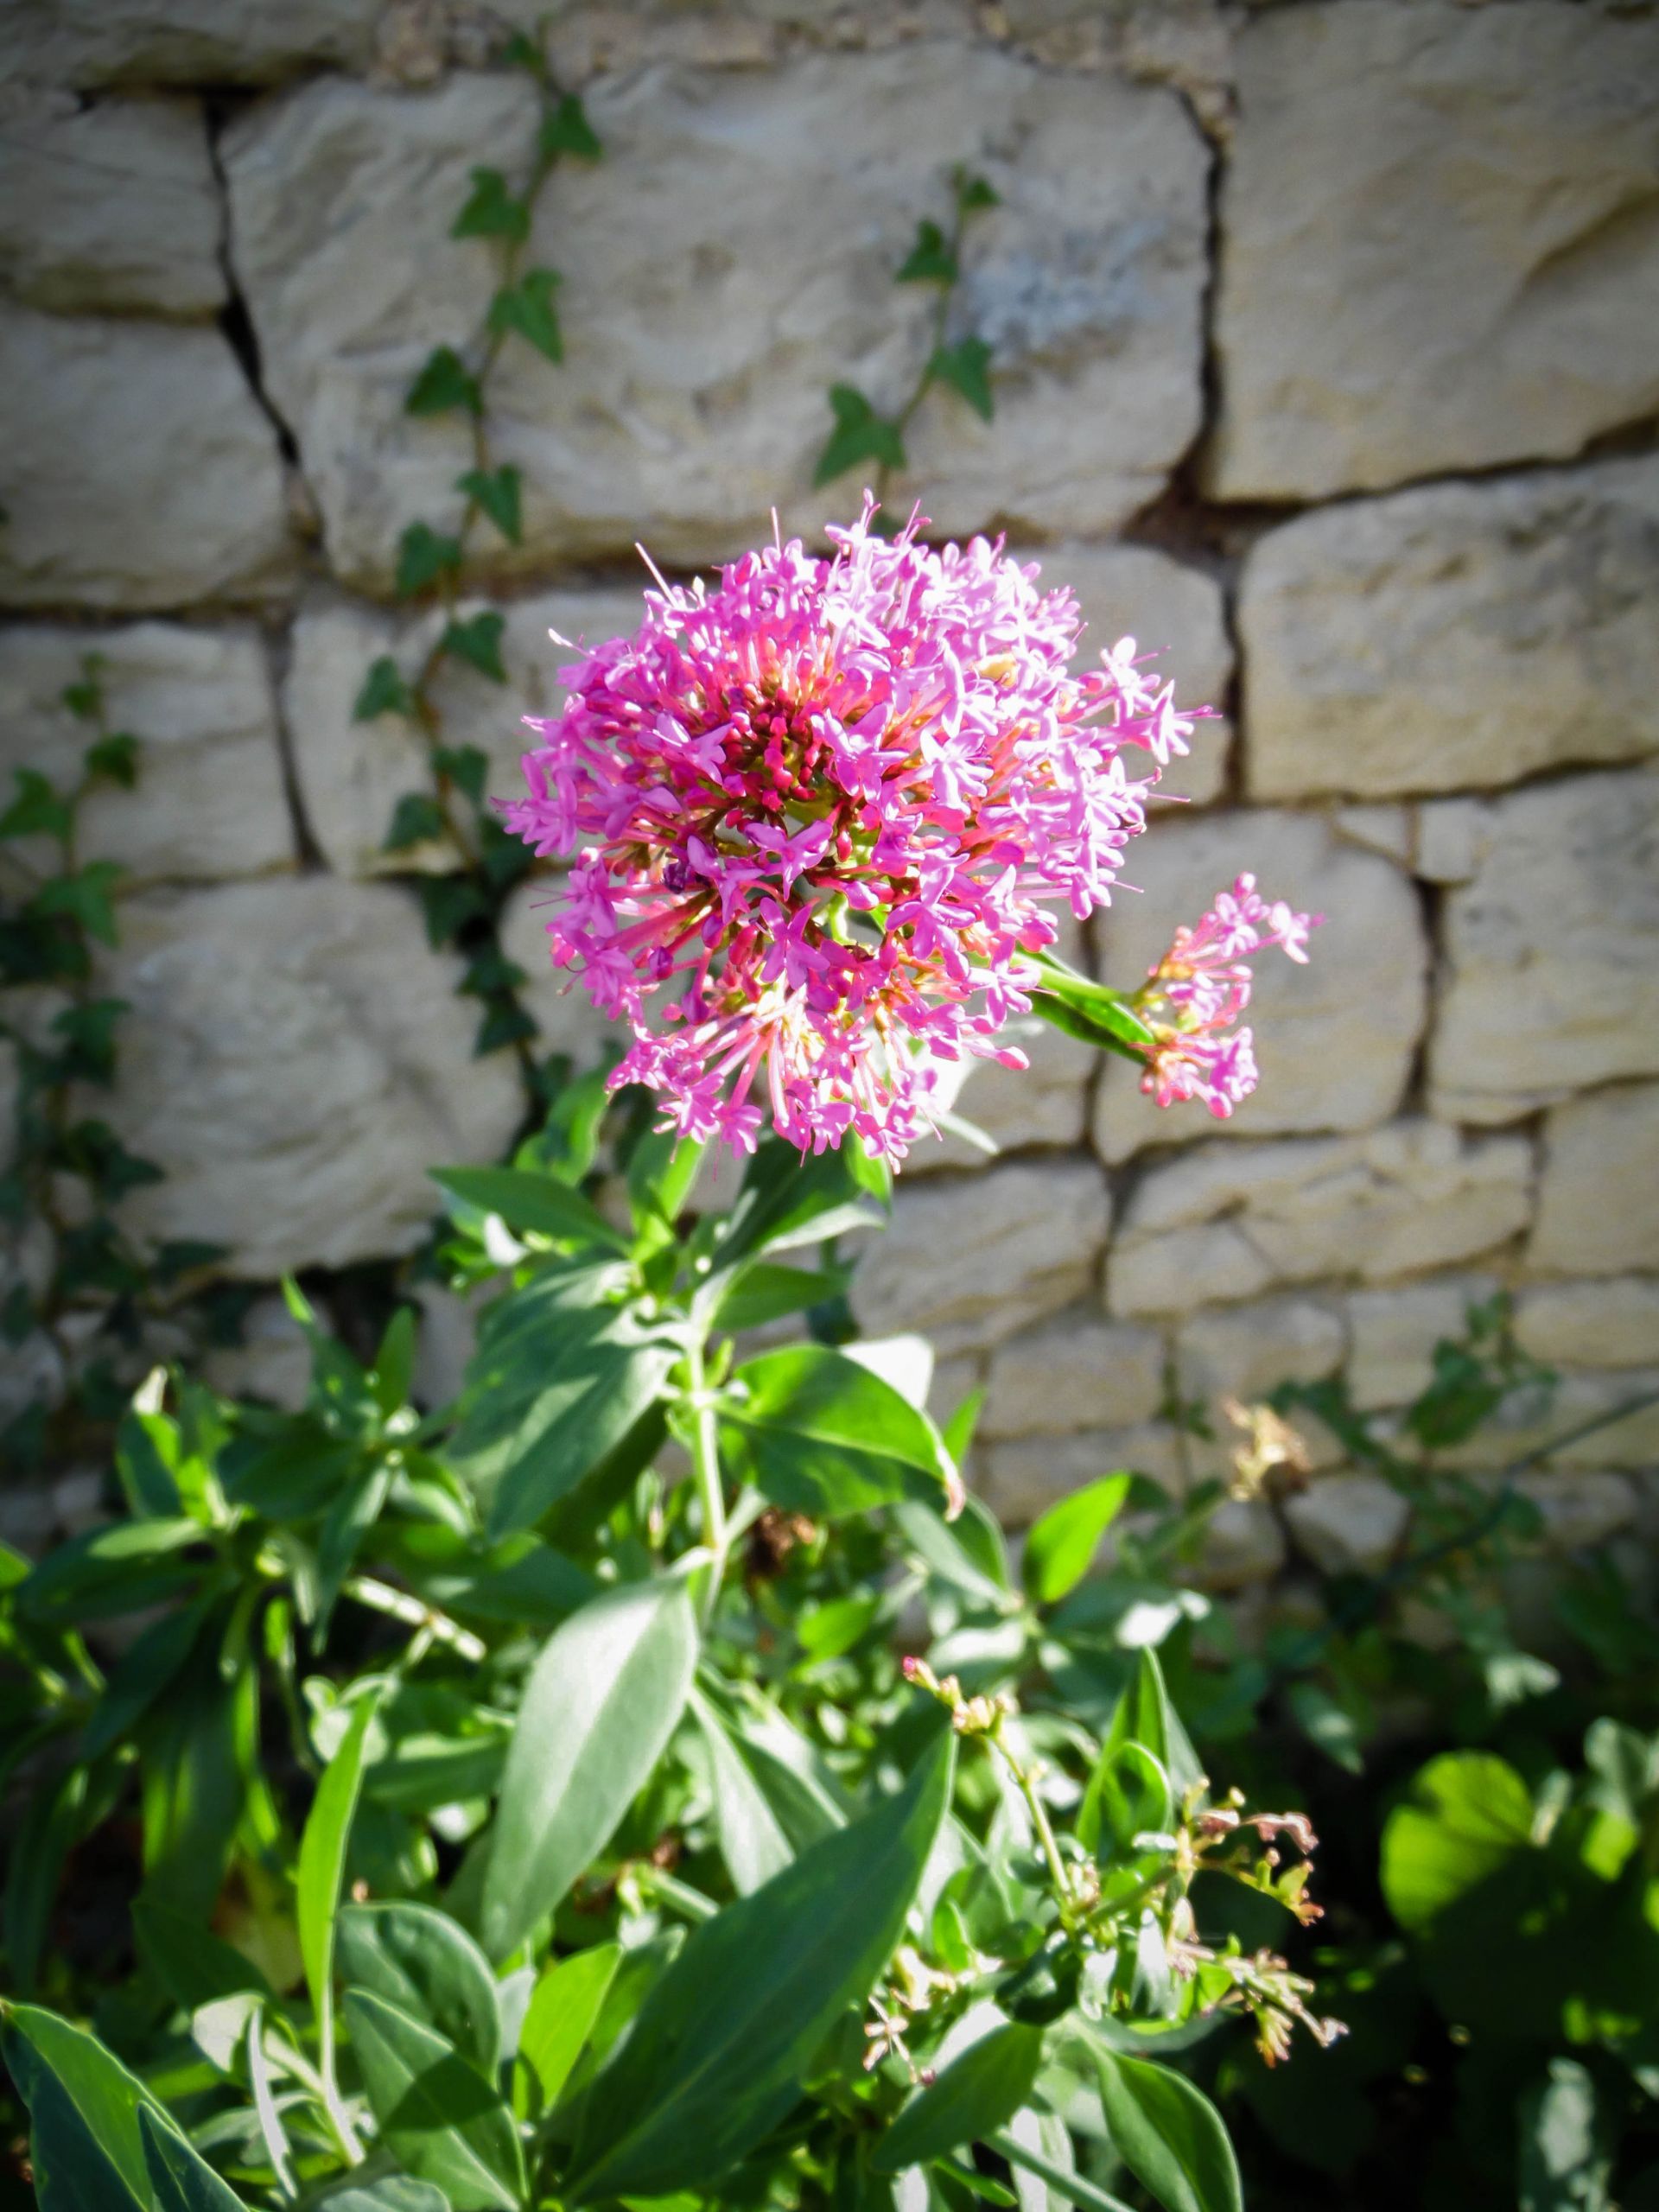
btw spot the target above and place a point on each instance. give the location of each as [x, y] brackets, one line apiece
[424, 1963]
[383, 691]
[322, 1861]
[499, 493]
[182, 2179]
[931, 260]
[818, 1433]
[440, 2118]
[1169, 2135]
[600, 1706]
[566, 129]
[1061, 1547]
[859, 434]
[491, 211]
[530, 309]
[417, 819]
[444, 384]
[975, 2093]
[83, 2106]
[965, 367]
[525, 1200]
[564, 2010]
[423, 554]
[478, 642]
[752, 1841]
[716, 2055]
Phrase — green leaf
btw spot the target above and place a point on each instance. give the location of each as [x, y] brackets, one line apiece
[84, 898]
[421, 1961]
[106, 1572]
[752, 1841]
[384, 692]
[391, 2193]
[965, 367]
[443, 385]
[661, 1167]
[859, 434]
[528, 307]
[723, 2040]
[423, 557]
[147, 1669]
[39, 1843]
[322, 1864]
[86, 2147]
[438, 2116]
[1468, 1813]
[115, 758]
[563, 2011]
[545, 1407]
[467, 766]
[417, 819]
[37, 810]
[529, 1201]
[89, 1031]
[1566, 2142]
[932, 259]
[566, 129]
[498, 492]
[1061, 1547]
[1328, 1722]
[201, 1750]
[478, 642]
[1169, 2135]
[1091, 1011]
[788, 1199]
[449, 903]
[600, 1706]
[976, 2092]
[974, 192]
[193, 1966]
[491, 211]
[181, 2178]
[818, 1433]
[1143, 1716]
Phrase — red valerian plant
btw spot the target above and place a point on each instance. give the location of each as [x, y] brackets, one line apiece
[818, 818]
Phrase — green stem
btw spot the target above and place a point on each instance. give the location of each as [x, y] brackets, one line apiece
[399, 1605]
[1039, 1821]
[705, 1461]
[1073, 2187]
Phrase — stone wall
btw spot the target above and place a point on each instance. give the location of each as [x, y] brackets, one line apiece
[1324, 360]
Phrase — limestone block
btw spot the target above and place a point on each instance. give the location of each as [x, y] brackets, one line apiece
[1401, 292]
[296, 1059]
[570, 1021]
[136, 469]
[352, 773]
[1613, 1322]
[182, 41]
[1392, 1335]
[1581, 1508]
[272, 1361]
[1334, 1039]
[1176, 617]
[208, 802]
[1348, 1524]
[1245, 1351]
[1462, 634]
[1224, 1221]
[1074, 1372]
[1598, 1190]
[1046, 1103]
[1390, 831]
[1552, 951]
[731, 259]
[1242, 1543]
[109, 209]
[1020, 1478]
[971, 1262]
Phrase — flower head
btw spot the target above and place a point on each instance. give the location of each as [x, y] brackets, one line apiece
[1199, 989]
[819, 816]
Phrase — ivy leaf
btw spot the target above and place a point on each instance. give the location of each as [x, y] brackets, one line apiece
[965, 367]
[37, 810]
[505, 1023]
[466, 765]
[566, 129]
[489, 973]
[491, 211]
[496, 492]
[91, 1149]
[423, 557]
[973, 192]
[859, 434]
[448, 904]
[416, 820]
[932, 260]
[504, 858]
[84, 898]
[85, 700]
[115, 758]
[383, 691]
[527, 307]
[444, 384]
[478, 642]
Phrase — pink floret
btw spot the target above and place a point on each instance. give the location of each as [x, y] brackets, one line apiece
[818, 816]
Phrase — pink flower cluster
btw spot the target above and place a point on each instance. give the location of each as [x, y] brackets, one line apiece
[815, 813]
[1201, 987]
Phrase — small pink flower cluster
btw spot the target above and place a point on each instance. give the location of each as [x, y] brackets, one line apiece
[1199, 990]
[825, 801]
